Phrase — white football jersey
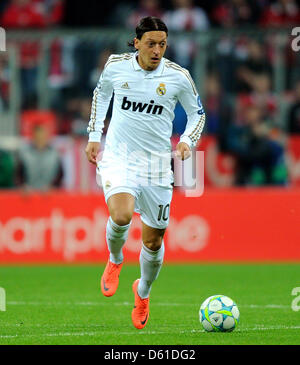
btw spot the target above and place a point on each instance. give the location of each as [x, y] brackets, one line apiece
[139, 132]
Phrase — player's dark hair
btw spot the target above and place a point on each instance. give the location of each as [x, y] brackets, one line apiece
[148, 24]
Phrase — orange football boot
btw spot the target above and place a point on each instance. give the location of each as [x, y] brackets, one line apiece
[140, 312]
[110, 278]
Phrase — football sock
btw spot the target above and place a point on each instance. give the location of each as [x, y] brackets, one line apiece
[151, 263]
[115, 237]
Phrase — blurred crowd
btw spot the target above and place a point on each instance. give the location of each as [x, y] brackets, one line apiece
[239, 95]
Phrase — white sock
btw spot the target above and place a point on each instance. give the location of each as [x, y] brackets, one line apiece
[115, 237]
[151, 263]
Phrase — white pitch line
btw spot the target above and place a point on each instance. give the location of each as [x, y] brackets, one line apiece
[134, 333]
[275, 306]
[36, 303]
[88, 303]
[269, 328]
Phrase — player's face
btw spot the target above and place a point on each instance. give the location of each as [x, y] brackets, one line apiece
[152, 47]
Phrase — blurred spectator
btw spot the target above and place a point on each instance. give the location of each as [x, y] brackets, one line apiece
[32, 13]
[61, 72]
[96, 72]
[54, 10]
[4, 81]
[259, 157]
[230, 52]
[185, 17]
[256, 62]
[58, 75]
[30, 53]
[217, 106]
[79, 124]
[74, 70]
[33, 116]
[85, 55]
[23, 14]
[40, 166]
[75, 116]
[234, 13]
[262, 97]
[281, 13]
[144, 8]
[7, 170]
[294, 113]
[68, 115]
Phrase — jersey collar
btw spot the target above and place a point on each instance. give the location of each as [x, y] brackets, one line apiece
[157, 72]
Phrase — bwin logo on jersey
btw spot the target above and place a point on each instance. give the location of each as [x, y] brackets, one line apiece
[141, 107]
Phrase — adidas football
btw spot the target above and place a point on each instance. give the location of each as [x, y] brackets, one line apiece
[219, 313]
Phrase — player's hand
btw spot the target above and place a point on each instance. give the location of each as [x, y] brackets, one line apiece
[92, 149]
[183, 151]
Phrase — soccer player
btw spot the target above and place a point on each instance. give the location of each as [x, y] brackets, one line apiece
[135, 168]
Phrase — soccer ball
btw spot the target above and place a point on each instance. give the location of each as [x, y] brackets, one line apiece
[219, 313]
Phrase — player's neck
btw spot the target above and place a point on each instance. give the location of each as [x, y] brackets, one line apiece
[144, 66]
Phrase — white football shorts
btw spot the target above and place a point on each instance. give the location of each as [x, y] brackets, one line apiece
[152, 202]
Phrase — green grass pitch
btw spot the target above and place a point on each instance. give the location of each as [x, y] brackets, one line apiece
[64, 305]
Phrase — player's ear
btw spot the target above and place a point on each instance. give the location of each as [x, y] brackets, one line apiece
[136, 43]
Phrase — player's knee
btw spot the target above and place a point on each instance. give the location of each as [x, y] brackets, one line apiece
[154, 243]
[121, 218]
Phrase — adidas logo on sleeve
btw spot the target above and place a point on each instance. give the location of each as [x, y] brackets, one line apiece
[125, 86]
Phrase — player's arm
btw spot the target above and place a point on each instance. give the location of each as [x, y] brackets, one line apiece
[101, 99]
[190, 101]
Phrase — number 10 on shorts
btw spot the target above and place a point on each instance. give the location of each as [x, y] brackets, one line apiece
[163, 213]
